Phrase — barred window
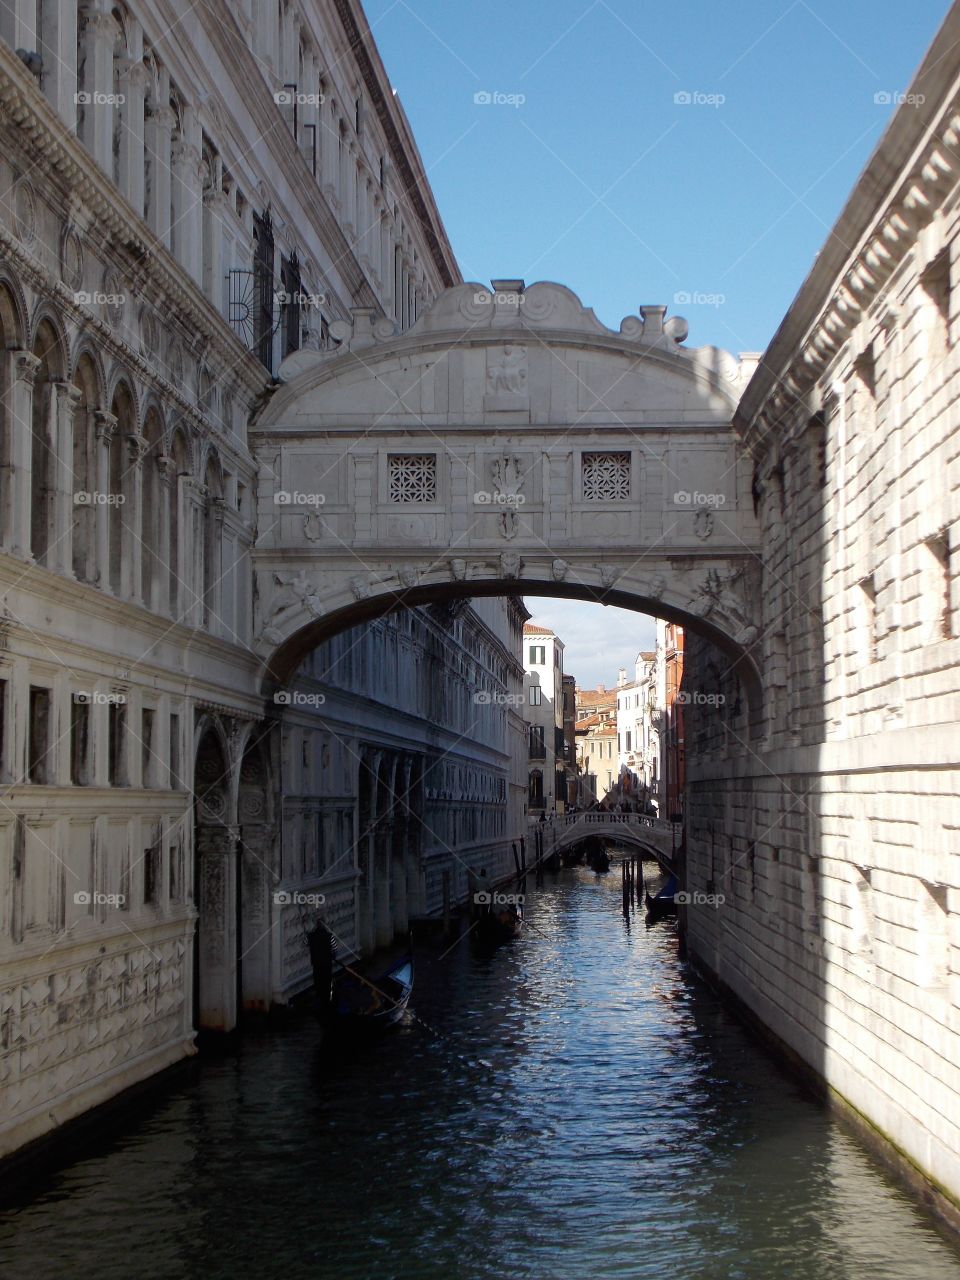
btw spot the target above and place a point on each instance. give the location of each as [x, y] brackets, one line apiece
[413, 477]
[606, 477]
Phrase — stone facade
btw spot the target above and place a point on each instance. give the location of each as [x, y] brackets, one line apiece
[543, 694]
[834, 838]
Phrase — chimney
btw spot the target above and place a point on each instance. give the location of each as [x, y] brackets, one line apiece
[600, 688]
[622, 677]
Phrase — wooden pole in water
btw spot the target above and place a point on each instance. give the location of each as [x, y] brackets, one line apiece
[623, 882]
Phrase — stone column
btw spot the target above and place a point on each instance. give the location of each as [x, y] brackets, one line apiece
[99, 37]
[186, 232]
[386, 264]
[191, 561]
[67, 400]
[58, 47]
[105, 426]
[214, 204]
[216, 853]
[158, 137]
[22, 371]
[134, 78]
[131, 565]
[213, 600]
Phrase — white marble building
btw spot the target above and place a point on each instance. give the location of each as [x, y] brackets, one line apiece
[638, 735]
[185, 200]
[543, 693]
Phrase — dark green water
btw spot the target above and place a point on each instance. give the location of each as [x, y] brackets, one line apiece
[574, 1107]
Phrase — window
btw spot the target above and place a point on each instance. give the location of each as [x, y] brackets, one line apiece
[868, 611]
[628, 737]
[535, 695]
[535, 789]
[175, 753]
[147, 722]
[936, 588]
[80, 740]
[538, 749]
[151, 875]
[263, 288]
[3, 726]
[412, 477]
[292, 292]
[38, 736]
[116, 725]
[605, 477]
[936, 283]
[538, 655]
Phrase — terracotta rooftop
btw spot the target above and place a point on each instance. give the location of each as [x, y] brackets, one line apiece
[534, 629]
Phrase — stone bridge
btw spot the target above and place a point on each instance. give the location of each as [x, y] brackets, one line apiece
[508, 443]
[647, 835]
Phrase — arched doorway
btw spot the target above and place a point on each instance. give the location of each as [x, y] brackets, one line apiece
[258, 871]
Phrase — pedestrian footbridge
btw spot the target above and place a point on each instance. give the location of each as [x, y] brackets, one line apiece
[647, 835]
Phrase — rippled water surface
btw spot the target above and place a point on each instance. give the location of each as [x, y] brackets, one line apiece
[576, 1105]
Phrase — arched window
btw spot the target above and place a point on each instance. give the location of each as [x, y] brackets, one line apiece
[535, 789]
[122, 409]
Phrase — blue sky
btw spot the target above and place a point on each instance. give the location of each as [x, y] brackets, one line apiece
[601, 179]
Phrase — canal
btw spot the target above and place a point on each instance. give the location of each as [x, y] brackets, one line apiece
[576, 1106]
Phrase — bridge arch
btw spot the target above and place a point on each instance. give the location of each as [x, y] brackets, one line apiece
[508, 443]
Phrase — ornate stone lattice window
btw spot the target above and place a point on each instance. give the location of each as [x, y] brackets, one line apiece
[413, 477]
[606, 477]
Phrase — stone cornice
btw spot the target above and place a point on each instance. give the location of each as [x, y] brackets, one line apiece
[909, 176]
[44, 134]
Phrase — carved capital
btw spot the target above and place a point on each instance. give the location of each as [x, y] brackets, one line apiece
[105, 425]
[26, 366]
[137, 445]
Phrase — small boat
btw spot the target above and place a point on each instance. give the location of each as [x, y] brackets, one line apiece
[348, 1002]
[361, 1005]
[662, 903]
[496, 927]
[598, 859]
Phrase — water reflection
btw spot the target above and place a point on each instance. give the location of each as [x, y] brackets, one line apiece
[575, 1105]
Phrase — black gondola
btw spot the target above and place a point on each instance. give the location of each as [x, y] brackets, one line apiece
[662, 903]
[496, 927]
[348, 1002]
